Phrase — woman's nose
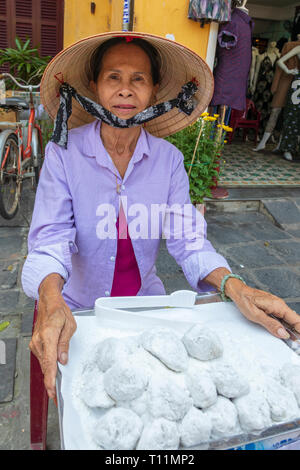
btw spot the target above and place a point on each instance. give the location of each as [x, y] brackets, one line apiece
[125, 92]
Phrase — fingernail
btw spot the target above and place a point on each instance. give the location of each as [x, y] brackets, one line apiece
[283, 333]
[63, 357]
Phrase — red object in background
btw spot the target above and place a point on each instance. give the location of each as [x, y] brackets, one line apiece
[216, 192]
[38, 401]
[248, 119]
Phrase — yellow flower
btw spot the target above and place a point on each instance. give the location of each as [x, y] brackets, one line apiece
[227, 128]
[216, 115]
[210, 118]
[204, 114]
[225, 141]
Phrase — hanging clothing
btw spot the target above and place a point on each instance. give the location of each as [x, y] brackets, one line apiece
[262, 96]
[291, 118]
[282, 81]
[216, 10]
[234, 56]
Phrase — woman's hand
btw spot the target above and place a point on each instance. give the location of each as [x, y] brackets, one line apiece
[257, 305]
[53, 330]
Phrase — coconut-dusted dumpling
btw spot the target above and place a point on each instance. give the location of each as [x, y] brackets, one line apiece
[164, 344]
[168, 400]
[282, 401]
[202, 343]
[159, 434]
[125, 380]
[118, 429]
[254, 411]
[201, 387]
[110, 350]
[224, 418]
[195, 428]
[228, 381]
[92, 390]
[290, 378]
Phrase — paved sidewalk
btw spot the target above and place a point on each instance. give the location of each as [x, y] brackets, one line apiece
[261, 243]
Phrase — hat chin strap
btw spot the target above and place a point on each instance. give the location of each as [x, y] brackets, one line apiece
[185, 102]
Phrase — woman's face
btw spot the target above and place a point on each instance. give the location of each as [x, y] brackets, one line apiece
[124, 85]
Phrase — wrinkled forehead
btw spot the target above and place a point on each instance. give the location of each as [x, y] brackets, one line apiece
[122, 55]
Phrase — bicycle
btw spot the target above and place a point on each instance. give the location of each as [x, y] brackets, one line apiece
[18, 160]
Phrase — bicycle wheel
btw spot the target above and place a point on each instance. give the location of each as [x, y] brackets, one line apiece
[10, 184]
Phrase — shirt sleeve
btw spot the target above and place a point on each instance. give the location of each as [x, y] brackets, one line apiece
[185, 231]
[51, 238]
[228, 36]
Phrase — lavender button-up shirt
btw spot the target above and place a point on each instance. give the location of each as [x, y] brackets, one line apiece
[73, 230]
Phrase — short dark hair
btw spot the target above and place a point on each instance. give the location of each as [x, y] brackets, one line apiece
[96, 59]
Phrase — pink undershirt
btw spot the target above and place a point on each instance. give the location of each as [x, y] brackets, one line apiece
[127, 279]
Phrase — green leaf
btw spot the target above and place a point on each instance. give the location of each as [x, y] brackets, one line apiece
[18, 43]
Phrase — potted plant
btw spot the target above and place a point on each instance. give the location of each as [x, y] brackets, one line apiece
[24, 62]
[202, 144]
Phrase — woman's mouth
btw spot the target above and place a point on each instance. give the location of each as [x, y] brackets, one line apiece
[124, 106]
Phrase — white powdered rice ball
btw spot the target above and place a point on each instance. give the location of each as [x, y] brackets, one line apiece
[118, 429]
[282, 401]
[167, 347]
[254, 411]
[290, 378]
[92, 389]
[168, 400]
[224, 418]
[201, 387]
[202, 343]
[228, 381]
[195, 428]
[159, 434]
[111, 350]
[125, 380]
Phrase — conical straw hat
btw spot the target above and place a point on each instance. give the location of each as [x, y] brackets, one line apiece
[178, 66]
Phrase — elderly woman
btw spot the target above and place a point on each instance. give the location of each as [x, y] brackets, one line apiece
[84, 241]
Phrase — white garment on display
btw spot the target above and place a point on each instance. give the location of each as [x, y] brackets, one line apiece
[273, 53]
[281, 64]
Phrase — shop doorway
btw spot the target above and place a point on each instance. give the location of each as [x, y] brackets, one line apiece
[276, 23]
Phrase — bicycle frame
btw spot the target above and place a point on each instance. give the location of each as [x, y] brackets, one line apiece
[24, 155]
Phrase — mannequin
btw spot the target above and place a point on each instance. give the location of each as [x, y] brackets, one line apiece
[280, 87]
[291, 121]
[241, 5]
[255, 54]
[272, 53]
[233, 64]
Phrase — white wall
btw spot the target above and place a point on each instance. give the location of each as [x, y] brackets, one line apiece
[272, 13]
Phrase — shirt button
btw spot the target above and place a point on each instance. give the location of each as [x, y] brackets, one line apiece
[112, 258]
[107, 293]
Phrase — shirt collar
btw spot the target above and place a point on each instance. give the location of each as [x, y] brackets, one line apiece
[93, 145]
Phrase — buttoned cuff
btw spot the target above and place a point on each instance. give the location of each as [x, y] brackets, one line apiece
[199, 265]
[36, 268]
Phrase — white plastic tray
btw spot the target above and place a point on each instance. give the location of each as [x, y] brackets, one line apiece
[223, 317]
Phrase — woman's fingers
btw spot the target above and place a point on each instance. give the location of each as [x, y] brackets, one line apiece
[50, 336]
[276, 306]
[64, 340]
[272, 325]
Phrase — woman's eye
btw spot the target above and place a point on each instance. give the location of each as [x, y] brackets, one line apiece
[114, 77]
[138, 79]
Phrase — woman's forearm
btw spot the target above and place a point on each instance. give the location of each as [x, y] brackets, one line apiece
[232, 284]
[51, 285]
